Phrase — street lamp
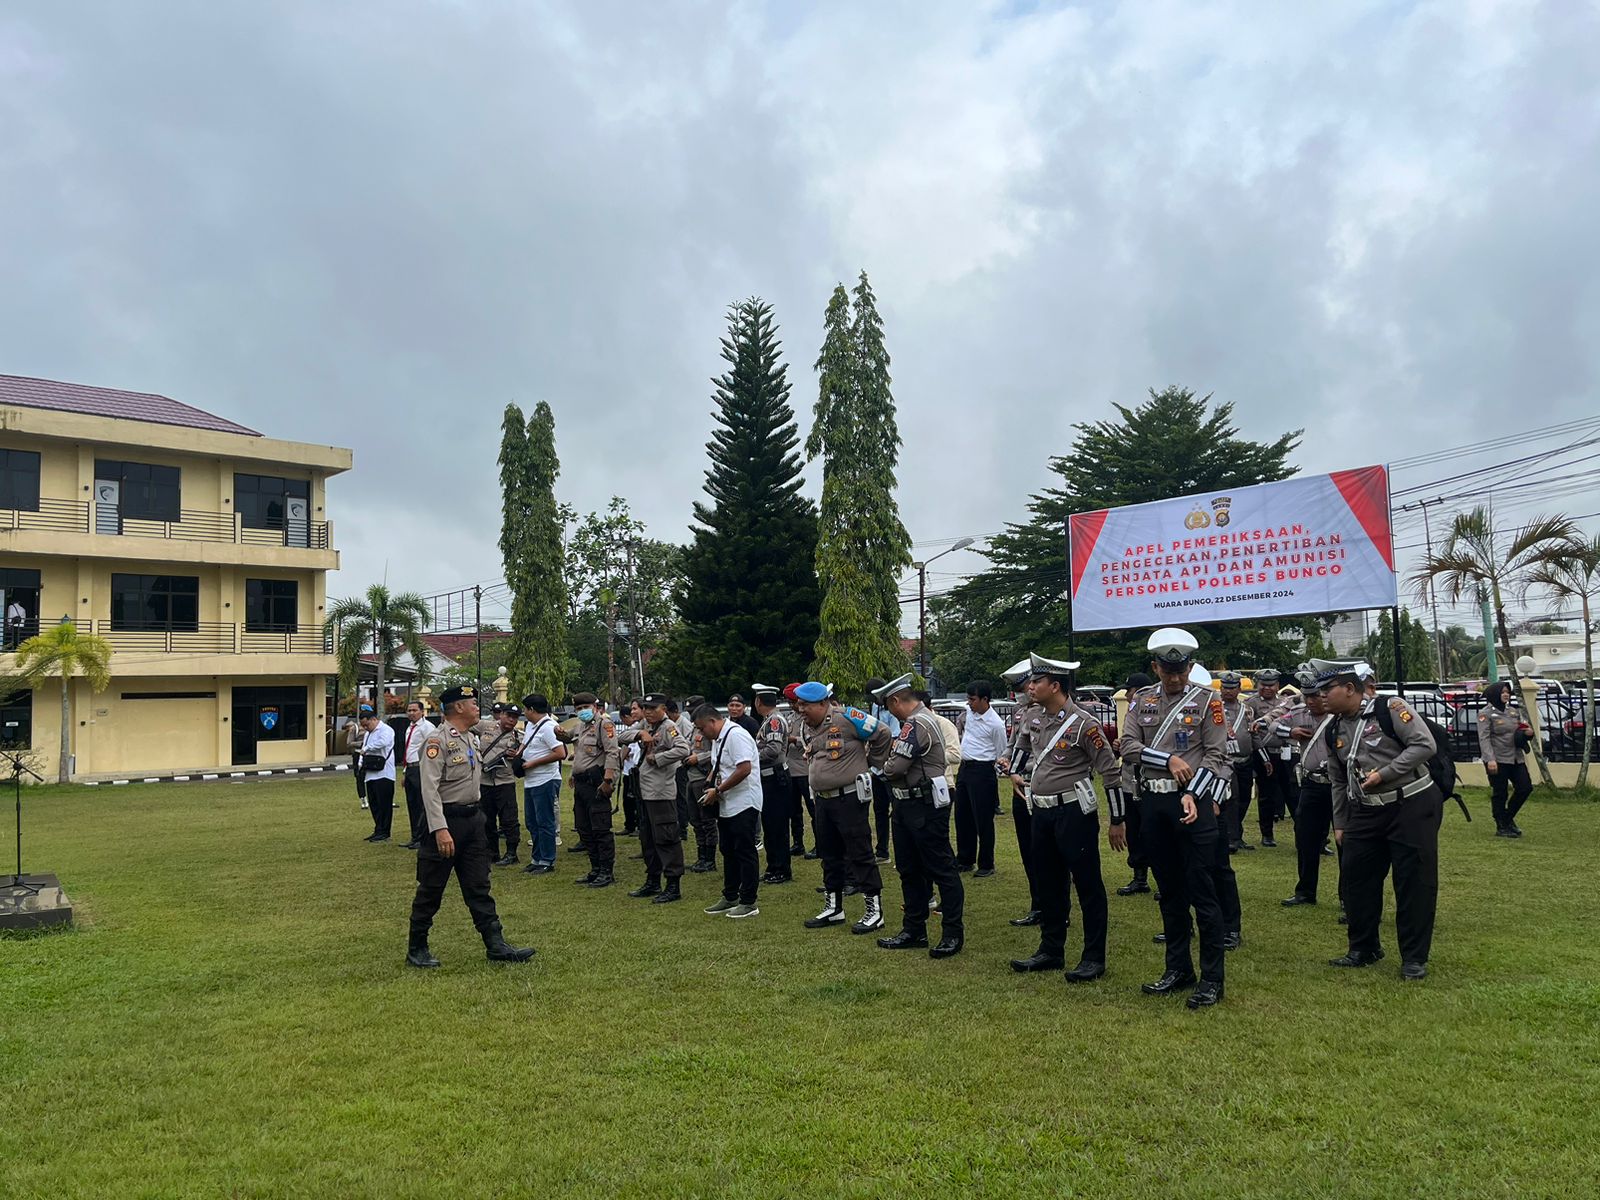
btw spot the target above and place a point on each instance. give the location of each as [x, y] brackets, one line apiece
[922, 603]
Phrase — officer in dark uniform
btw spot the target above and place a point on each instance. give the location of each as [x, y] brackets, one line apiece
[772, 745]
[497, 746]
[595, 763]
[1314, 814]
[456, 840]
[1271, 795]
[701, 817]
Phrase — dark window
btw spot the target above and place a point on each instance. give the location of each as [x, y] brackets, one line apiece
[16, 721]
[19, 480]
[276, 714]
[271, 606]
[259, 499]
[149, 493]
[169, 695]
[155, 602]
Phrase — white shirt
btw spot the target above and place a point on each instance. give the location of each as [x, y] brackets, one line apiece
[984, 737]
[16, 614]
[414, 737]
[536, 743]
[733, 746]
[380, 740]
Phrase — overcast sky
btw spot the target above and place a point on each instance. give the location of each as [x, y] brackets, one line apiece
[374, 224]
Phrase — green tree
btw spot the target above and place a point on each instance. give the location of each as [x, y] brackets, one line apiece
[1173, 444]
[1569, 570]
[60, 652]
[1416, 644]
[749, 597]
[1477, 562]
[862, 545]
[533, 551]
[383, 624]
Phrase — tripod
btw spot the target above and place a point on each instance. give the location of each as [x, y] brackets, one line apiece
[18, 886]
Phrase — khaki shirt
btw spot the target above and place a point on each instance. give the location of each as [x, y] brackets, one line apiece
[917, 754]
[1237, 718]
[1194, 733]
[772, 744]
[700, 768]
[1360, 746]
[795, 753]
[658, 769]
[450, 772]
[1314, 755]
[1497, 735]
[495, 752]
[1024, 722]
[595, 745]
[840, 750]
[1067, 747]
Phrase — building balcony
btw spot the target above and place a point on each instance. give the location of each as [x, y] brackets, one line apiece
[204, 648]
[86, 529]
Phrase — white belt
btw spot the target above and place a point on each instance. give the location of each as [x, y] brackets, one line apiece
[1417, 786]
[1161, 787]
[1048, 801]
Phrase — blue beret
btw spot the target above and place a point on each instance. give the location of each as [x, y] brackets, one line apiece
[812, 692]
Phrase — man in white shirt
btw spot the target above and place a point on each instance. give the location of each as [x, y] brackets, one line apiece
[542, 753]
[16, 624]
[983, 744]
[377, 766]
[416, 733]
[734, 786]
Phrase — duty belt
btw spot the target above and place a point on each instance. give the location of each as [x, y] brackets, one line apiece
[1050, 801]
[771, 771]
[461, 810]
[1318, 776]
[834, 795]
[1161, 787]
[921, 792]
[1406, 790]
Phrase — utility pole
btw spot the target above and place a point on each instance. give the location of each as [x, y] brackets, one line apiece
[1433, 599]
[922, 604]
[477, 631]
[633, 619]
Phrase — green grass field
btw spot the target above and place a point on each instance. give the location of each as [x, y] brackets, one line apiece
[231, 1017]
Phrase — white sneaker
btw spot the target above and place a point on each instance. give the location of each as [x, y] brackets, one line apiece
[721, 906]
[740, 911]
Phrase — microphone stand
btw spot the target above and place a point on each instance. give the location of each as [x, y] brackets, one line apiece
[18, 886]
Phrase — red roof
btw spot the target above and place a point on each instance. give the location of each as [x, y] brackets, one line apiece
[110, 402]
[458, 646]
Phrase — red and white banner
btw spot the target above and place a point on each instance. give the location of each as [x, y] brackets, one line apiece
[1315, 543]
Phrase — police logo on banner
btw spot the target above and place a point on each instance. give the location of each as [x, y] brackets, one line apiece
[269, 719]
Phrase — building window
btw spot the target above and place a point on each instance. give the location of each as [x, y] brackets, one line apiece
[277, 714]
[16, 721]
[271, 606]
[150, 602]
[260, 500]
[19, 480]
[148, 493]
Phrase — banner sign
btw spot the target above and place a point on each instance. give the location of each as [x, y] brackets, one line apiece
[1312, 544]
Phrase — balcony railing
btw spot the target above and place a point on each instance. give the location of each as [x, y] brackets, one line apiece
[81, 516]
[214, 637]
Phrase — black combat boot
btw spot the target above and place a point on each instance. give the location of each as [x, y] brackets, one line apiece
[500, 950]
[672, 893]
[418, 954]
[650, 888]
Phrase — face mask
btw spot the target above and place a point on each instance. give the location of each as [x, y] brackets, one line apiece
[586, 715]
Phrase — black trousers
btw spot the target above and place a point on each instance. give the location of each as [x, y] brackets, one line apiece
[705, 820]
[1222, 871]
[630, 805]
[419, 819]
[361, 780]
[1022, 819]
[882, 804]
[1182, 857]
[923, 857]
[592, 819]
[1312, 820]
[685, 815]
[1515, 778]
[775, 823]
[799, 808]
[741, 865]
[658, 830]
[471, 867]
[380, 799]
[1404, 837]
[977, 794]
[844, 839]
[1244, 778]
[1066, 854]
[499, 804]
[1268, 804]
[1133, 829]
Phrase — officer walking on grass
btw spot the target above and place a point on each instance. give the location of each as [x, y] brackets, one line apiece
[456, 841]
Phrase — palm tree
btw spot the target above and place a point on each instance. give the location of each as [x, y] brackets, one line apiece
[1472, 563]
[1463, 653]
[62, 650]
[1571, 571]
[383, 623]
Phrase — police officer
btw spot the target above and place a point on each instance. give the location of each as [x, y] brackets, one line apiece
[801, 806]
[664, 748]
[1238, 718]
[842, 744]
[1271, 801]
[915, 773]
[456, 840]
[1386, 813]
[1314, 813]
[678, 717]
[695, 768]
[498, 744]
[1221, 857]
[881, 801]
[1502, 733]
[772, 747]
[1018, 764]
[1175, 752]
[1137, 862]
[595, 764]
[1067, 747]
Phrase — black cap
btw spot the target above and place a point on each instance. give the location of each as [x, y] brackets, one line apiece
[450, 695]
[506, 708]
[654, 700]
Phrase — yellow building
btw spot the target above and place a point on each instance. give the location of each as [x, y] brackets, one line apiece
[198, 548]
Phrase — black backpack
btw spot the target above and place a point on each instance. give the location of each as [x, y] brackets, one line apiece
[1441, 767]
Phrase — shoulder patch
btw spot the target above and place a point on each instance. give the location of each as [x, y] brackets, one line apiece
[609, 727]
[433, 750]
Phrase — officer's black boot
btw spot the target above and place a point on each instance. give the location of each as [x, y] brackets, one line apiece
[672, 893]
[1134, 886]
[509, 859]
[418, 954]
[650, 888]
[500, 950]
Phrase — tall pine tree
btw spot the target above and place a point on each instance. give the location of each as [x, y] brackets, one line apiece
[531, 547]
[862, 545]
[749, 603]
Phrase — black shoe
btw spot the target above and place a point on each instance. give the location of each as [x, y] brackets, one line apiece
[411, 845]
[850, 889]
[633, 833]
[700, 866]
[420, 956]
[509, 859]
[1269, 843]
[540, 869]
[1133, 887]
[1245, 846]
[1344, 919]
[1296, 900]
[1160, 939]
[1086, 972]
[1168, 983]
[1037, 962]
[672, 893]
[812, 856]
[883, 856]
[946, 948]
[1515, 828]
[639, 857]
[797, 851]
[500, 950]
[904, 941]
[964, 868]
[1205, 995]
[1413, 971]
[604, 879]
[584, 880]
[983, 872]
[1356, 958]
[531, 869]
[580, 848]
[1326, 851]
[774, 877]
[1232, 941]
[371, 837]
[650, 887]
[1157, 897]
[1504, 831]
[1032, 917]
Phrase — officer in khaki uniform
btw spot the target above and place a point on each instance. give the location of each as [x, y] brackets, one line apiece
[664, 748]
[1019, 764]
[920, 824]
[842, 744]
[1238, 718]
[696, 768]
[595, 764]
[772, 748]
[1314, 814]
[1502, 732]
[497, 746]
[802, 806]
[456, 841]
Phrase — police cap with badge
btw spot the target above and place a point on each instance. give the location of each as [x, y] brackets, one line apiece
[462, 692]
[1230, 679]
[1173, 648]
[1040, 667]
[893, 688]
